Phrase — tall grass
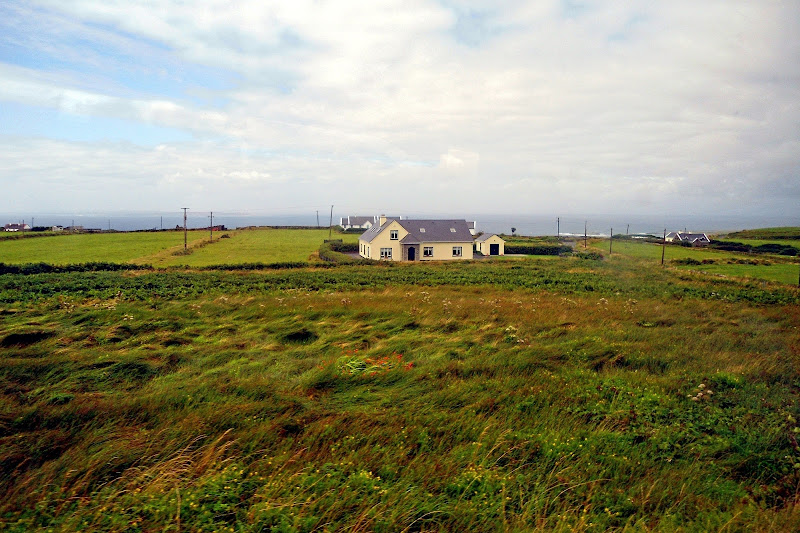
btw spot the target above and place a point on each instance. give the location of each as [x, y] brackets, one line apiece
[418, 401]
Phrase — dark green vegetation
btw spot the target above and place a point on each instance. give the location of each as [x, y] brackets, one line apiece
[536, 394]
[791, 233]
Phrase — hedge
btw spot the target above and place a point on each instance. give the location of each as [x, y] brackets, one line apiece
[536, 249]
[43, 268]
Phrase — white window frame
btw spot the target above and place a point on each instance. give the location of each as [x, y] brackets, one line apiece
[457, 251]
[427, 251]
[393, 234]
[386, 253]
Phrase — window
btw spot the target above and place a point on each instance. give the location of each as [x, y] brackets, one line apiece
[427, 251]
[422, 230]
[456, 251]
[452, 230]
[386, 253]
[393, 235]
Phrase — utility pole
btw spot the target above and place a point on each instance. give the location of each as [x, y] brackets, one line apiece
[558, 227]
[330, 227]
[628, 230]
[184, 226]
[584, 234]
[162, 222]
[317, 217]
[610, 241]
[211, 226]
[663, 246]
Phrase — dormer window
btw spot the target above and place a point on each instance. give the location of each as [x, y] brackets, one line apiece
[422, 230]
[452, 230]
[393, 235]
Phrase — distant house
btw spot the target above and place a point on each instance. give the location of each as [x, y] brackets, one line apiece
[695, 239]
[490, 244]
[356, 222]
[57, 228]
[416, 240]
[16, 227]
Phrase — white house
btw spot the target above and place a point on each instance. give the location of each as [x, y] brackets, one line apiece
[16, 227]
[416, 240]
[490, 244]
[695, 239]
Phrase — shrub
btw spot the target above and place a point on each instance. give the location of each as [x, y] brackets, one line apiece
[44, 268]
[328, 253]
[593, 256]
[536, 249]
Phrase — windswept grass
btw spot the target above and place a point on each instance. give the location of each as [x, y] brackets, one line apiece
[559, 395]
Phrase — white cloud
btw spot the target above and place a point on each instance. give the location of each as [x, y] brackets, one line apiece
[636, 103]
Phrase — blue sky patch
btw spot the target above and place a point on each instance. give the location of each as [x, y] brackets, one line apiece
[33, 121]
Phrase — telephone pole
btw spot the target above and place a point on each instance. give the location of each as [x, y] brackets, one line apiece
[610, 241]
[558, 228]
[317, 217]
[211, 226]
[584, 234]
[184, 226]
[330, 227]
[663, 246]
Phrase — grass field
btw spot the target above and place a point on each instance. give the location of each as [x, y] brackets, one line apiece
[767, 234]
[770, 268]
[162, 249]
[525, 395]
[83, 248]
[260, 245]
[759, 242]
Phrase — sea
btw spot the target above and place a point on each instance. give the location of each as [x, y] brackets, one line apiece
[521, 224]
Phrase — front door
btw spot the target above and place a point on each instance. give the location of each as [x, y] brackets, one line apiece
[412, 254]
[494, 249]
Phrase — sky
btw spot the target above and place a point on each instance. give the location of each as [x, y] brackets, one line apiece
[412, 106]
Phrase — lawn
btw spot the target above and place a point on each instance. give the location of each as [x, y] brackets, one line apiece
[259, 246]
[89, 247]
[162, 249]
[765, 267]
[524, 395]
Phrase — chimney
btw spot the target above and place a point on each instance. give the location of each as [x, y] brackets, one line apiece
[382, 220]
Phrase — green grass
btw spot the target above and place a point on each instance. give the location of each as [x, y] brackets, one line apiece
[83, 248]
[770, 268]
[260, 245]
[788, 273]
[759, 242]
[524, 395]
[767, 234]
[163, 249]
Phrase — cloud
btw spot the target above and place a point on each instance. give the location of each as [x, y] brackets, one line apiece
[671, 105]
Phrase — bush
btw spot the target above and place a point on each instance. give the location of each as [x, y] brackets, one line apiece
[593, 256]
[44, 268]
[328, 253]
[536, 249]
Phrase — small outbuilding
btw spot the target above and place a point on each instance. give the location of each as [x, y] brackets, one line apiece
[490, 244]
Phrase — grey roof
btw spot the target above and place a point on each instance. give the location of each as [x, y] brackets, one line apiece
[485, 236]
[371, 233]
[691, 237]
